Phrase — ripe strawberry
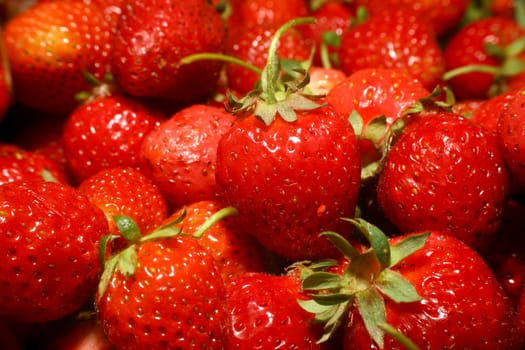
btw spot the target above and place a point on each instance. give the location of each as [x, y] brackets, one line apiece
[49, 45]
[323, 80]
[487, 114]
[445, 173]
[179, 156]
[265, 314]
[126, 191]
[163, 291]
[484, 57]
[154, 35]
[512, 139]
[18, 164]
[251, 46]
[49, 263]
[375, 95]
[424, 290]
[383, 41]
[107, 132]
[234, 251]
[442, 16]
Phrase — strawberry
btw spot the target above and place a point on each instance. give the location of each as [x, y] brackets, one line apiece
[512, 139]
[375, 95]
[382, 41]
[48, 47]
[289, 166]
[235, 251]
[443, 16]
[107, 132]
[251, 46]
[154, 35]
[323, 80]
[485, 57]
[163, 291]
[126, 191]
[179, 156]
[487, 113]
[265, 314]
[445, 173]
[426, 290]
[18, 164]
[49, 258]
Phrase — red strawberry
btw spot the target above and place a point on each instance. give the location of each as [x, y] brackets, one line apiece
[265, 314]
[323, 80]
[107, 132]
[18, 164]
[49, 257]
[487, 114]
[154, 35]
[163, 291]
[445, 173]
[234, 250]
[383, 41]
[512, 138]
[442, 16]
[251, 46]
[484, 57]
[49, 45]
[179, 156]
[426, 290]
[375, 94]
[126, 191]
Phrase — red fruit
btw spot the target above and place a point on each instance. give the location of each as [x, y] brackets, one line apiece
[163, 293]
[445, 173]
[383, 41]
[179, 156]
[485, 42]
[290, 181]
[323, 80]
[487, 114]
[49, 264]
[265, 314]
[49, 45]
[512, 139]
[251, 46]
[18, 164]
[254, 13]
[235, 251]
[154, 35]
[126, 191]
[107, 132]
[441, 15]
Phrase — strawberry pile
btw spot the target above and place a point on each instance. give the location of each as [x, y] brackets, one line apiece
[249, 174]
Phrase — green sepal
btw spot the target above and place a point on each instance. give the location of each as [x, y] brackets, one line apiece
[396, 287]
[332, 299]
[322, 280]
[128, 228]
[397, 335]
[372, 309]
[342, 244]
[407, 246]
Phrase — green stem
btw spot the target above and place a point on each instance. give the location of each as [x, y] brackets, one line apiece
[219, 57]
[213, 219]
[471, 68]
[400, 337]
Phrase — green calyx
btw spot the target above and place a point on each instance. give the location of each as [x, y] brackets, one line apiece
[125, 261]
[365, 283]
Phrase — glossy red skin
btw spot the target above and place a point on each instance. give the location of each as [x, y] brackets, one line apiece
[47, 63]
[521, 315]
[265, 314]
[383, 41]
[512, 140]
[154, 35]
[441, 15]
[174, 300]
[466, 47]
[463, 305]
[291, 181]
[234, 251]
[19, 164]
[254, 13]
[375, 92]
[49, 260]
[105, 133]
[487, 114]
[126, 191]
[179, 156]
[445, 173]
[251, 46]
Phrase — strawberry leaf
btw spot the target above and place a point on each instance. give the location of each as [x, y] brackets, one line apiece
[378, 240]
[322, 280]
[127, 227]
[371, 306]
[342, 244]
[396, 287]
[407, 247]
